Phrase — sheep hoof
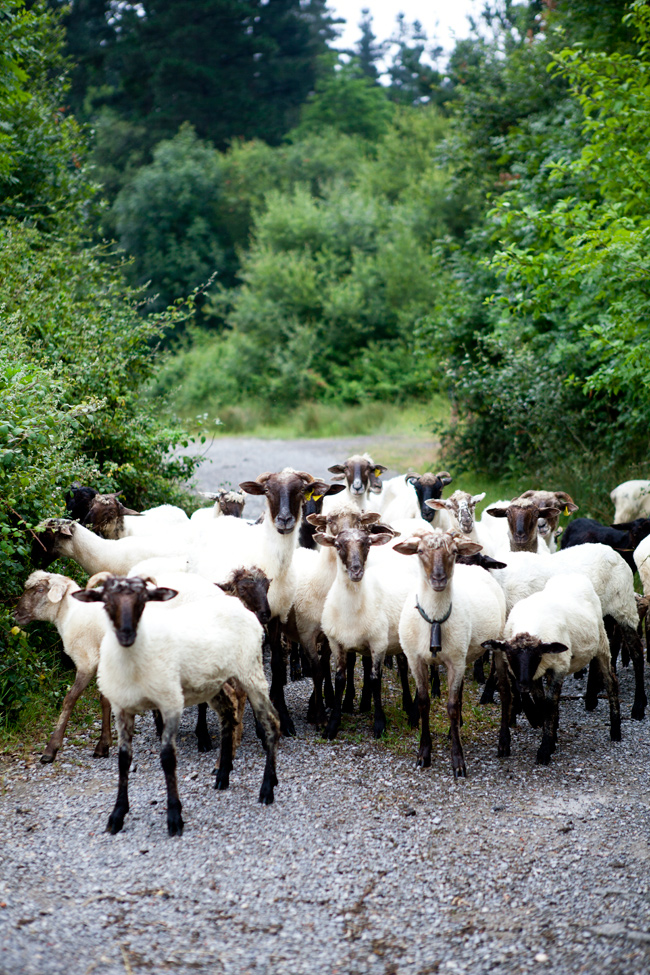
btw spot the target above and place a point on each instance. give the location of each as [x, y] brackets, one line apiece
[47, 759]
[615, 732]
[266, 796]
[175, 824]
[378, 728]
[115, 824]
[460, 772]
[331, 731]
[424, 760]
[287, 727]
[204, 744]
[348, 706]
[638, 712]
[543, 758]
[101, 751]
[222, 780]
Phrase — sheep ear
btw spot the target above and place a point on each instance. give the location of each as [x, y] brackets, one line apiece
[381, 538]
[227, 587]
[548, 512]
[337, 469]
[437, 503]
[444, 477]
[407, 547]
[379, 470]
[57, 591]
[467, 547]
[334, 489]
[369, 518]
[161, 594]
[477, 497]
[324, 539]
[411, 477]
[553, 648]
[318, 521]
[498, 512]
[315, 490]
[89, 595]
[252, 487]
[494, 645]
[569, 507]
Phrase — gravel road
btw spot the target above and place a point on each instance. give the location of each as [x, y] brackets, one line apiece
[363, 864]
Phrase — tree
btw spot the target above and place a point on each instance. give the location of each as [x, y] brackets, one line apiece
[368, 52]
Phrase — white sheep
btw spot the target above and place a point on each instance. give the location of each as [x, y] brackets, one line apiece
[405, 496]
[631, 500]
[61, 538]
[552, 633]
[362, 481]
[445, 620]
[153, 659]
[641, 557]
[361, 613]
[612, 579]
[227, 504]
[48, 597]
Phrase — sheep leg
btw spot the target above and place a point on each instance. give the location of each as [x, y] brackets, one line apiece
[403, 668]
[295, 662]
[316, 709]
[124, 723]
[365, 703]
[633, 643]
[379, 724]
[226, 711]
[487, 697]
[435, 680]
[454, 708]
[168, 762]
[551, 716]
[500, 668]
[204, 741]
[421, 674]
[102, 747]
[611, 685]
[279, 679]
[328, 687]
[158, 721]
[347, 706]
[614, 636]
[594, 684]
[81, 682]
[266, 715]
[334, 722]
[478, 672]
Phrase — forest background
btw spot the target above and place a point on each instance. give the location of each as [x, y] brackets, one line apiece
[207, 205]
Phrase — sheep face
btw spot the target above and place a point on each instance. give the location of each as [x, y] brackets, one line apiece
[461, 506]
[124, 601]
[548, 499]
[524, 654]
[360, 473]
[352, 546]
[77, 500]
[437, 551]
[251, 587]
[231, 503]
[105, 516]
[43, 590]
[523, 515]
[285, 493]
[428, 487]
[350, 517]
[51, 540]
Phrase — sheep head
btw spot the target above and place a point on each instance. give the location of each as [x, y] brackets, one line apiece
[124, 600]
[285, 493]
[437, 551]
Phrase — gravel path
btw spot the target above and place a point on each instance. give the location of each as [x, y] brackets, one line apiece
[363, 864]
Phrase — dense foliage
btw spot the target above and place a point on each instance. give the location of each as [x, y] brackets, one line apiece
[75, 351]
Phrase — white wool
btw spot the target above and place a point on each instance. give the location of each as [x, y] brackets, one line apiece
[631, 500]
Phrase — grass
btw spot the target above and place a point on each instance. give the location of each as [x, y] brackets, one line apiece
[314, 420]
[28, 738]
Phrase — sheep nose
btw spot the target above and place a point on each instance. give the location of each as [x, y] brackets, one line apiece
[285, 523]
[355, 572]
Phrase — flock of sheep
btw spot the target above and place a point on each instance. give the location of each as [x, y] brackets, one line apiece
[177, 609]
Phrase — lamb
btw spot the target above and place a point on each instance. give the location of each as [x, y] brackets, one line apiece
[405, 496]
[362, 478]
[156, 659]
[550, 634]
[612, 579]
[59, 538]
[48, 596]
[623, 538]
[361, 613]
[453, 611]
[547, 528]
[631, 500]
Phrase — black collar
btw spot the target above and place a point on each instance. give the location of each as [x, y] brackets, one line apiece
[427, 619]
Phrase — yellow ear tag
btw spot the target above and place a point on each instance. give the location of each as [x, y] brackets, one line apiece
[316, 497]
[377, 472]
[566, 510]
[308, 496]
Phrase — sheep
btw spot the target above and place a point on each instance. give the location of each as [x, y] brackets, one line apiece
[641, 556]
[361, 613]
[550, 634]
[156, 659]
[523, 515]
[612, 579]
[362, 478]
[106, 514]
[405, 496]
[631, 500]
[229, 504]
[623, 538]
[271, 546]
[313, 505]
[453, 610]
[48, 596]
[58, 538]
[547, 528]
[460, 512]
